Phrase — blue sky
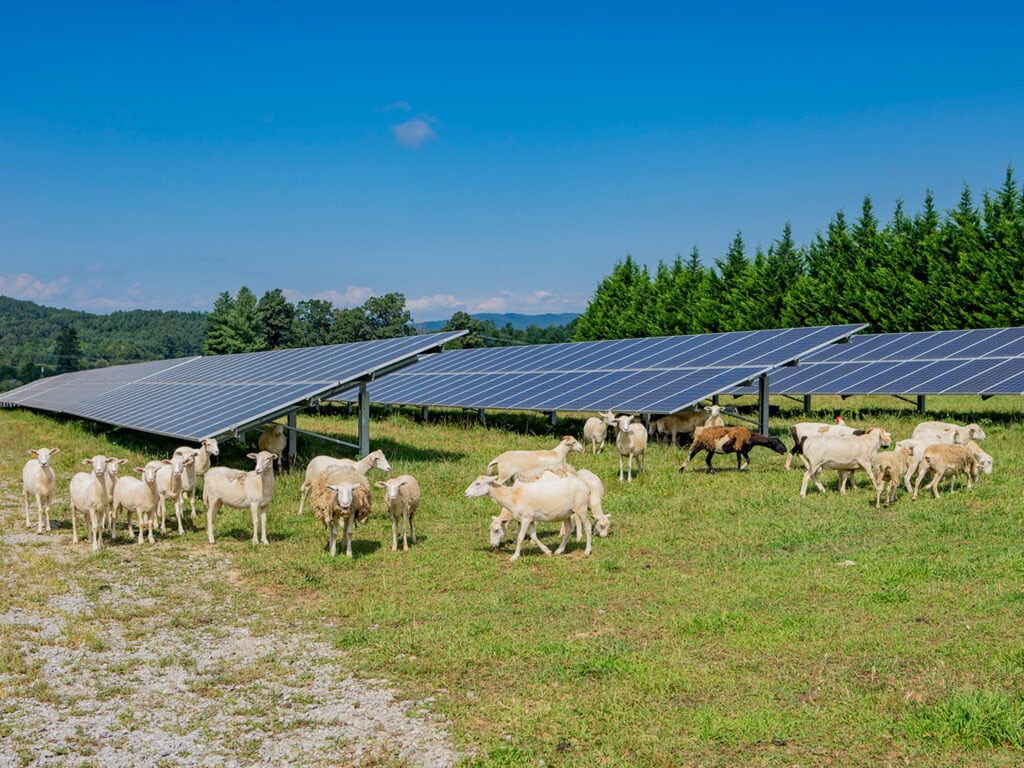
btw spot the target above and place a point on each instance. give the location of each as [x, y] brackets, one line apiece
[471, 157]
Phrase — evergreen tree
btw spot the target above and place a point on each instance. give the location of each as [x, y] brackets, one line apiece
[1004, 258]
[734, 275]
[620, 306]
[245, 324]
[314, 319]
[219, 337]
[68, 350]
[276, 317]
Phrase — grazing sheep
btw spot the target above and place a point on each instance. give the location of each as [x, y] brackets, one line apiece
[942, 432]
[596, 429]
[984, 459]
[140, 496]
[38, 479]
[842, 453]
[738, 440]
[890, 467]
[89, 496]
[170, 484]
[510, 463]
[602, 522]
[680, 423]
[946, 460]
[274, 440]
[402, 496]
[341, 494]
[549, 499]
[803, 429]
[320, 464]
[714, 418]
[200, 466]
[631, 441]
[238, 489]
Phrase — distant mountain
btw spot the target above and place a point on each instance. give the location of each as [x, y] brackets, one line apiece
[519, 322]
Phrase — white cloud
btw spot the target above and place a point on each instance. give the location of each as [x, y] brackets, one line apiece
[434, 301]
[351, 296]
[23, 286]
[414, 132]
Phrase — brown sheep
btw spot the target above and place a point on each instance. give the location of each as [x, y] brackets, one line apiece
[946, 460]
[738, 440]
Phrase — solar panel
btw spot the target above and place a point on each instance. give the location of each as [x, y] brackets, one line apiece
[211, 396]
[985, 361]
[652, 375]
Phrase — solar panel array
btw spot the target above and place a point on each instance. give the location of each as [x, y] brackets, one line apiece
[202, 397]
[987, 361]
[653, 375]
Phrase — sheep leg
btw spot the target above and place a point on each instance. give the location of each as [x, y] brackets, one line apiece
[537, 541]
[192, 501]
[620, 467]
[302, 498]
[629, 477]
[934, 484]
[394, 533]
[333, 527]
[95, 533]
[259, 524]
[524, 525]
[46, 512]
[693, 452]
[179, 509]
[412, 528]
[349, 520]
[39, 508]
[28, 519]
[211, 512]
[587, 527]
[708, 455]
[74, 524]
[566, 530]
[406, 521]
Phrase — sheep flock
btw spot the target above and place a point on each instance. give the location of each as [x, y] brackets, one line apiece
[531, 487]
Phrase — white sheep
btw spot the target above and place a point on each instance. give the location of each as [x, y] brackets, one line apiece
[595, 430]
[89, 497]
[601, 524]
[510, 463]
[402, 496]
[170, 485]
[320, 464]
[680, 423]
[803, 429]
[110, 482]
[631, 441]
[946, 460]
[942, 432]
[200, 466]
[138, 495]
[714, 418]
[38, 479]
[274, 440]
[341, 494]
[549, 499]
[842, 453]
[239, 489]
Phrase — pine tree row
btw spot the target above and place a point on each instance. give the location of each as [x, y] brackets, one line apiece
[963, 269]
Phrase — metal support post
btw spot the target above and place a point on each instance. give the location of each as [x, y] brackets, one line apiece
[292, 438]
[714, 399]
[920, 404]
[807, 405]
[426, 412]
[553, 418]
[762, 404]
[482, 416]
[364, 420]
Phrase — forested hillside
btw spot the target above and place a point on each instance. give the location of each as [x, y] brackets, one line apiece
[926, 271]
[29, 335]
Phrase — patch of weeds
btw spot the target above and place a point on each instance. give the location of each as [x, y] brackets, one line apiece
[891, 593]
[972, 719]
[1015, 659]
[77, 636]
[709, 622]
[610, 566]
[505, 756]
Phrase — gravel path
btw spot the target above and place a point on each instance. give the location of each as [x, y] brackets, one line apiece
[153, 665]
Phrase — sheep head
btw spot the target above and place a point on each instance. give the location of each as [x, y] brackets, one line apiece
[98, 464]
[481, 486]
[43, 455]
[498, 530]
[378, 461]
[344, 494]
[391, 487]
[264, 460]
[211, 446]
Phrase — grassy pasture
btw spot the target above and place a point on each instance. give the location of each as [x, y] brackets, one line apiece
[718, 625]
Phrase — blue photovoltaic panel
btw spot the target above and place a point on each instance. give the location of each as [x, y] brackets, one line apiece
[655, 375]
[985, 361]
[210, 396]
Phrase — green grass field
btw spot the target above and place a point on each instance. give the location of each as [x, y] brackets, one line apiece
[724, 622]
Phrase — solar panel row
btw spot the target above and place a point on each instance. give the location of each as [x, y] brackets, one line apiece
[202, 397]
[987, 361]
[653, 375]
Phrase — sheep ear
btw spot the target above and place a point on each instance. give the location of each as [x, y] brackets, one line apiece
[333, 487]
[33, 452]
[86, 462]
[165, 461]
[140, 470]
[495, 519]
[381, 484]
[273, 456]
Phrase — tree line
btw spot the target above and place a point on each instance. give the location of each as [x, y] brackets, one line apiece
[926, 271]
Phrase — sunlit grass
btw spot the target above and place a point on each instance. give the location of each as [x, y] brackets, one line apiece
[722, 623]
